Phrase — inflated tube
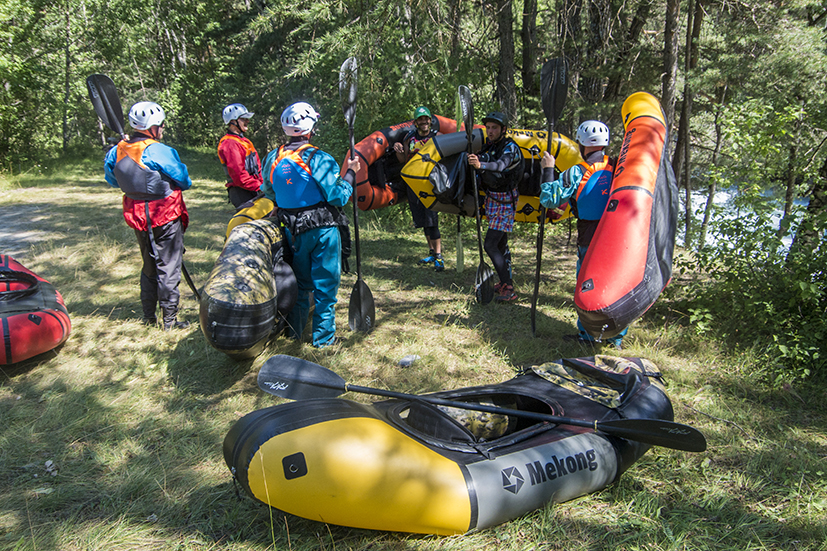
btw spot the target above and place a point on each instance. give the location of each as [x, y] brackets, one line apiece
[629, 260]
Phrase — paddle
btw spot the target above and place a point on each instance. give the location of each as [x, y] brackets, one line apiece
[361, 312]
[297, 379]
[555, 85]
[107, 105]
[483, 287]
[460, 250]
[105, 101]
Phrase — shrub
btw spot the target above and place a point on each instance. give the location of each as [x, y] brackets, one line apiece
[759, 295]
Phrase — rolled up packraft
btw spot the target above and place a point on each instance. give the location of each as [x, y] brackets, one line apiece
[249, 292]
[254, 209]
[629, 260]
[434, 169]
[410, 466]
[33, 316]
[374, 187]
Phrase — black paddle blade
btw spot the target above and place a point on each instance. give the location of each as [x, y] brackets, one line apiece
[657, 433]
[484, 284]
[361, 312]
[347, 89]
[297, 379]
[107, 105]
[554, 82]
[466, 104]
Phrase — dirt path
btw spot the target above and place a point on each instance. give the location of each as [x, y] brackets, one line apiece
[22, 226]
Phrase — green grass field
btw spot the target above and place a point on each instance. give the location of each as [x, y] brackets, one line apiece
[132, 419]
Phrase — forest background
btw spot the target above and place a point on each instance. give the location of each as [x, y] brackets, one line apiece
[742, 84]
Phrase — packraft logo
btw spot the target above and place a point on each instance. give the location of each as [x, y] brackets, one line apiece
[624, 152]
[512, 480]
[556, 468]
[275, 385]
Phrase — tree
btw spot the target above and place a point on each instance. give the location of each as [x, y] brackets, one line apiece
[506, 90]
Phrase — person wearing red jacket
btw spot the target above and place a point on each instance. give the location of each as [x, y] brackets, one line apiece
[151, 176]
[239, 156]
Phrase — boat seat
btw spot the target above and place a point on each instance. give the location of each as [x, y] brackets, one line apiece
[434, 422]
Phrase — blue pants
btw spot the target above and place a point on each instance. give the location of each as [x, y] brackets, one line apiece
[616, 340]
[318, 269]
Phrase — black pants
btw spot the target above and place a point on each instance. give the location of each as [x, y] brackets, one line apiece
[238, 195]
[496, 246]
[161, 275]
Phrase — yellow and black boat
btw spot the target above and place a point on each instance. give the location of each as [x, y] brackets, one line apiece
[249, 291]
[418, 465]
[434, 167]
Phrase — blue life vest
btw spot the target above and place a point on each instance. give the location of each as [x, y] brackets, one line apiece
[292, 179]
[592, 193]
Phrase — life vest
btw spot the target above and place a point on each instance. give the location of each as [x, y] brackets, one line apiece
[136, 180]
[417, 142]
[251, 161]
[293, 182]
[592, 195]
[508, 179]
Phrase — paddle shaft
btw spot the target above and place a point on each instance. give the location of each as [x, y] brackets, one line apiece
[355, 209]
[361, 309]
[553, 103]
[295, 378]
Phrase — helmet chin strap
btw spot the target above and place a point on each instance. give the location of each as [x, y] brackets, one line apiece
[235, 122]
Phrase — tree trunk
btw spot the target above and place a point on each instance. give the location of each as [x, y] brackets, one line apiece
[789, 195]
[529, 36]
[677, 158]
[569, 29]
[807, 239]
[593, 84]
[455, 13]
[687, 180]
[506, 89]
[630, 39]
[670, 58]
[67, 82]
[713, 184]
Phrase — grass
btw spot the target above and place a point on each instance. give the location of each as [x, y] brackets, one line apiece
[133, 418]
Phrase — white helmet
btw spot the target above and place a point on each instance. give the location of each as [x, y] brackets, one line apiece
[235, 111]
[146, 114]
[593, 133]
[299, 119]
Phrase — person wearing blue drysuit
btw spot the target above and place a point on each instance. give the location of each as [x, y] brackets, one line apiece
[305, 185]
[586, 187]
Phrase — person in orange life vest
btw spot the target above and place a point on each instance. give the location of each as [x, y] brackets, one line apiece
[305, 185]
[499, 167]
[586, 187]
[239, 156]
[152, 177]
[422, 217]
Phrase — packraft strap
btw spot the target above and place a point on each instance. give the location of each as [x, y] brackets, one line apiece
[8, 276]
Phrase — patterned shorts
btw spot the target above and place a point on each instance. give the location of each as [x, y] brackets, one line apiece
[499, 209]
